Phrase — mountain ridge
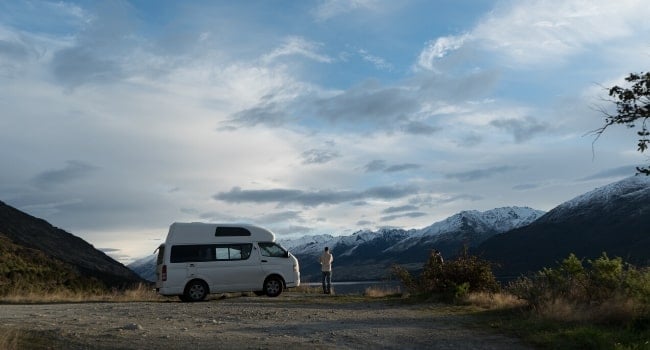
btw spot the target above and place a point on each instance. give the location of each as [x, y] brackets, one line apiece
[613, 218]
[615, 214]
[368, 254]
[37, 234]
[386, 247]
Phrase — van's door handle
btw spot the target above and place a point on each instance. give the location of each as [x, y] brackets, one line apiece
[264, 261]
[191, 265]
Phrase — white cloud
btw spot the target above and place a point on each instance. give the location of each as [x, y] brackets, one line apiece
[538, 31]
[69, 9]
[377, 61]
[543, 32]
[440, 48]
[328, 9]
[298, 46]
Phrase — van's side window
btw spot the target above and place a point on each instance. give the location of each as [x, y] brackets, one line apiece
[191, 253]
[210, 252]
[272, 250]
[233, 251]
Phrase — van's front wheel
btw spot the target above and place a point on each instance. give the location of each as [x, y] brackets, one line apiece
[273, 286]
[195, 291]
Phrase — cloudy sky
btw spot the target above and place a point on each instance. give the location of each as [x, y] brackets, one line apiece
[118, 118]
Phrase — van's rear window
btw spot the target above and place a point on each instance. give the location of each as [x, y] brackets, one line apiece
[231, 232]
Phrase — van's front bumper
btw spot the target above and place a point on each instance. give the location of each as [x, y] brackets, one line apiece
[295, 282]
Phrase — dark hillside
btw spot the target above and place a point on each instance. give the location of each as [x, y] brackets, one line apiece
[33, 238]
[24, 270]
[614, 219]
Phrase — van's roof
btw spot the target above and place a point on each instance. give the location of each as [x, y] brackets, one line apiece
[199, 232]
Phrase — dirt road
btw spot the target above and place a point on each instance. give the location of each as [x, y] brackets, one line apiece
[290, 321]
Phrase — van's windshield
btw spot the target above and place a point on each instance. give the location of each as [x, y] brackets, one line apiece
[272, 250]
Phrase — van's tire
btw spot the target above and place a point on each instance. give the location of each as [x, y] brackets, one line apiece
[196, 290]
[273, 286]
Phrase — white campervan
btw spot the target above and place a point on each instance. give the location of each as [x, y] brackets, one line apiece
[199, 258]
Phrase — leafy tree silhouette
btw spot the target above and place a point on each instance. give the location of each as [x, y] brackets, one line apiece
[632, 109]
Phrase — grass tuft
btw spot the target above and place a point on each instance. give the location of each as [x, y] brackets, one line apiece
[383, 292]
[615, 311]
[9, 338]
[306, 289]
[494, 301]
[141, 292]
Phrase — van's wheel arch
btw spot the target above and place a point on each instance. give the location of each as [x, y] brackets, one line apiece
[273, 286]
[195, 290]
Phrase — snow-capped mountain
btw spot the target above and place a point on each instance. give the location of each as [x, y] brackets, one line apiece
[633, 188]
[368, 254]
[470, 227]
[499, 219]
[145, 267]
[614, 219]
[481, 223]
[314, 245]
[354, 253]
[316, 242]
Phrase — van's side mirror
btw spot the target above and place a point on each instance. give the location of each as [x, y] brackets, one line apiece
[286, 254]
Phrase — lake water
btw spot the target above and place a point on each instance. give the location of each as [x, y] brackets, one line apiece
[358, 287]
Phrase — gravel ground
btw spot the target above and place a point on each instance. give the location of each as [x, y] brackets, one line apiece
[289, 321]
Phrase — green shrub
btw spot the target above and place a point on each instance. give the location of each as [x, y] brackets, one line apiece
[452, 280]
[472, 270]
[461, 291]
[603, 289]
[637, 283]
[405, 277]
[606, 278]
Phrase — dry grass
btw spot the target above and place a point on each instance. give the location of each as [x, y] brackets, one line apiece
[382, 292]
[305, 289]
[494, 300]
[140, 293]
[561, 310]
[9, 338]
[308, 288]
[615, 311]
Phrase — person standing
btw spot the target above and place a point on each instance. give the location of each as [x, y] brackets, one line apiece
[438, 257]
[326, 267]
